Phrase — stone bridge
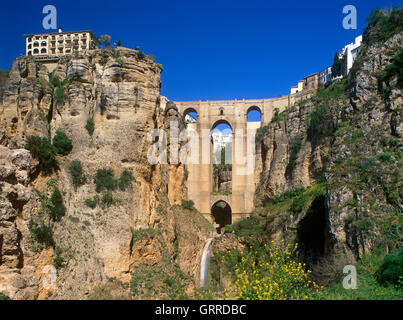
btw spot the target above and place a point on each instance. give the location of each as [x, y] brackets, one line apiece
[234, 113]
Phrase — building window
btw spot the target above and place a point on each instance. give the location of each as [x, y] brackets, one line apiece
[43, 50]
[36, 51]
[36, 44]
[44, 43]
[29, 53]
[30, 46]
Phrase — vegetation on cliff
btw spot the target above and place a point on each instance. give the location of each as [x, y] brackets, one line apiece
[354, 205]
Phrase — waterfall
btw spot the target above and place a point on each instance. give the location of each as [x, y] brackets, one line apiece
[205, 264]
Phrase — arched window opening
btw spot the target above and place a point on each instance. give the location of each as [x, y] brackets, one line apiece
[254, 114]
[190, 115]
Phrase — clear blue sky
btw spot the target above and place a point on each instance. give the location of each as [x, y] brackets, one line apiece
[210, 49]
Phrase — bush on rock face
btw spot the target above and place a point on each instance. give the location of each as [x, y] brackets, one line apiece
[104, 180]
[391, 270]
[76, 172]
[62, 143]
[43, 151]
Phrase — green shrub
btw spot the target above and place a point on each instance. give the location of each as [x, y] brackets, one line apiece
[278, 116]
[188, 204]
[141, 55]
[125, 179]
[4, 297]
[391, 270]
[298, 204]
[107, 199]
[396, 69]
[42, 234]
[228, 228]
[120, 61]
[288, 195]
[382, 25]
[249, 227]
[270, 272]
[104, 180]
[76, 172]
[58, 261]
[59, 95]
[90, 126]
[58, 210]
[58, 86]
[362, 224]
[159, 66]
[62, 143]
[44, 152]
[384, 157]
[92, 202]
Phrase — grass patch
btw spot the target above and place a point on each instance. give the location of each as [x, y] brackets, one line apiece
[140, 234]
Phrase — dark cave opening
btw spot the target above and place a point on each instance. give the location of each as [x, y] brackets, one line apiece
[222, 214]
[313, 233]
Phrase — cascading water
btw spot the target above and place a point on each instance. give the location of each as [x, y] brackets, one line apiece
[205, 264]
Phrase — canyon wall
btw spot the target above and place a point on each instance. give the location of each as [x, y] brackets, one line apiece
[120, 90]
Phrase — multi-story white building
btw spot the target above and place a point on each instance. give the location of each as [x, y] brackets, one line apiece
[221, 139]
[347, 57]
[349, 53]
[60, 43]
[326, 77]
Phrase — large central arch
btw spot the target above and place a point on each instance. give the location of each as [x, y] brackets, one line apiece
[221, 214]
[221, 157]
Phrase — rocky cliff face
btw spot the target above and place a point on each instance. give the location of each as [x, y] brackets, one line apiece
[120, 90]
[348, 136]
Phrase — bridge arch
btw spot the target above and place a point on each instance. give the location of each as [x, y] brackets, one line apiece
[190, 115]
[221, 213]
[254, 114]
[217, 122]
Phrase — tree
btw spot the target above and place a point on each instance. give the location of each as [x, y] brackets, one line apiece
[105, 40]
[336, 69]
